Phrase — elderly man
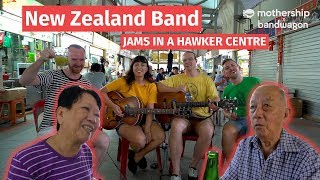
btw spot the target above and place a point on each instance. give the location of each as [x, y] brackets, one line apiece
[272, 153]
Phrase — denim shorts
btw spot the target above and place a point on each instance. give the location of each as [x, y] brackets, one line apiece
[241, 124]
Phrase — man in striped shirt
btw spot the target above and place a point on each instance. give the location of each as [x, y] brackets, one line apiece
[53, 81]
[64, 155]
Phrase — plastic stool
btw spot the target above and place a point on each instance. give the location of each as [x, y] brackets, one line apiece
[123, 148]
[13, 115]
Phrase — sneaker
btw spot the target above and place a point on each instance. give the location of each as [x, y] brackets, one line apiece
[192, 173]
[175, 177]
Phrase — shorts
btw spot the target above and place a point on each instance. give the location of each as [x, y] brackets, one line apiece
[241, 124]
[141, 123]
[194, 121]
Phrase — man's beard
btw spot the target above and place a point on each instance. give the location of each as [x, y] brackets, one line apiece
[74, 69]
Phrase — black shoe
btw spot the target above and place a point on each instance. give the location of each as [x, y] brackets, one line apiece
[132, 165]
[154, 165]
[143, 163]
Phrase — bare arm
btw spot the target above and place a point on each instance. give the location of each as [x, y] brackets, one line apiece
[29, 76]
[163, 88]
[109, 103]
[149, 118]
[147, 126]
[218, 83]
[230, 115]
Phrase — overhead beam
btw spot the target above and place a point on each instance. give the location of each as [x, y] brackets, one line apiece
[207, 10]
[209, 26]
[199, 3]
[139, 2]
[104, 3]
[208, 18]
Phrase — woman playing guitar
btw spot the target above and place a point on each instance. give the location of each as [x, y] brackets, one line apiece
[147, 134]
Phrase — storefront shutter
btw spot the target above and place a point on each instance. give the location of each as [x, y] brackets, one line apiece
[264, 64]
[301, 67]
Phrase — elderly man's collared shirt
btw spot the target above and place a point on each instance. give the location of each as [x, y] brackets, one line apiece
[292, 159]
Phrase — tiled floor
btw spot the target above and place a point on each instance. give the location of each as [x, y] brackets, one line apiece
[12, 137]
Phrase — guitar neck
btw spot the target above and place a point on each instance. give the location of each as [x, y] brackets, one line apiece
[192, 104]
[148, 111]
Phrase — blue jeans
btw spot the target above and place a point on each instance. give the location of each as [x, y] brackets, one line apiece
[241, 124]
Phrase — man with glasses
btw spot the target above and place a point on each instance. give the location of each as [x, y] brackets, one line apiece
[202, 89]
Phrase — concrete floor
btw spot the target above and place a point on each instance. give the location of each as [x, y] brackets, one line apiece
[12, 137]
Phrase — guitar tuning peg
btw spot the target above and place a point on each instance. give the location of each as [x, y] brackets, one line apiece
[174, 105]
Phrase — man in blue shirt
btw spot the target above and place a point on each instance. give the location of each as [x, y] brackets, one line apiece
[221, 82]
[272, 153]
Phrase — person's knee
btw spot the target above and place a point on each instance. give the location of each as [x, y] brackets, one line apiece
[230, 130]
[161, 136]
[139, 141]
[206, 132]
[102, 140]
[178, 126]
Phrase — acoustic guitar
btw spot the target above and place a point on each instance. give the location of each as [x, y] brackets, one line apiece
[177, 100]
[133, 110]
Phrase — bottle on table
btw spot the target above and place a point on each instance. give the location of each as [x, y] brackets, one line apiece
[211, 172]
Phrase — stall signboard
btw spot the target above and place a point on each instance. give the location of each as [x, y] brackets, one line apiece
[100, 41]
[113, 48]
[270, 31]
[96, 51]
[313, 6]
[125, 53]
[86, 36]
[104, 43]
[12, 24]
[15, 6]
[155, 56]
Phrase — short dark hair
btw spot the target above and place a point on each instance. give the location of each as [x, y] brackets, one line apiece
[102, 60]
[95, 67]
[228, 59]
[195, 56]
[175, 67]
[72, 94]
[76, 46]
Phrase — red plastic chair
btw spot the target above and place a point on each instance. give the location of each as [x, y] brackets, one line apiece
[186, 137]
[189, 137]
[123, 149]
[37, 109]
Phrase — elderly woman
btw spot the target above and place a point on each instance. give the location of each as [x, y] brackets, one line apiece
[64, 155]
